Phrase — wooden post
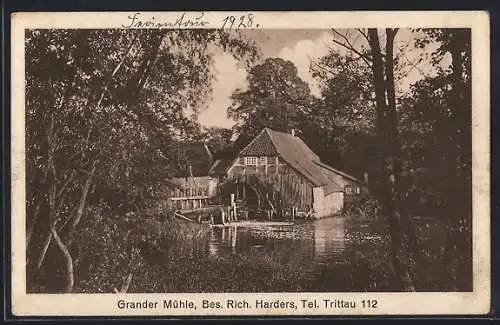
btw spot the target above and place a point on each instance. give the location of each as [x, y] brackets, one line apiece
[233, 238]
[231, 207]
[293, 214]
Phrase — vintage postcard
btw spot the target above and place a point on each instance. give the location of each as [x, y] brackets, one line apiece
[250, 163]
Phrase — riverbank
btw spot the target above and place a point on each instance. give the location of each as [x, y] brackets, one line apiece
[326, 255]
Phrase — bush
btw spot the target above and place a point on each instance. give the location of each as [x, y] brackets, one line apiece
[109, 248]
[368, 208]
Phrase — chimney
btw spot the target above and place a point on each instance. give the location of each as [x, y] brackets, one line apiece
[366, 177]
[293, 132]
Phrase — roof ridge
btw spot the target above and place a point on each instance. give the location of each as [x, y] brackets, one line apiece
[272, 140]
[338, 171]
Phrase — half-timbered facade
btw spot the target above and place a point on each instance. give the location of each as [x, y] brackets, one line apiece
[285, 173]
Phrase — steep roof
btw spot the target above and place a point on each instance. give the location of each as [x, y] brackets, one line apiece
[196, 155]
[339, 172]
[297, 154]
[261, 145]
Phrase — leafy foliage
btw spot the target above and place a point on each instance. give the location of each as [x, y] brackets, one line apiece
[344, 120]
[276, 97]
[105, 108]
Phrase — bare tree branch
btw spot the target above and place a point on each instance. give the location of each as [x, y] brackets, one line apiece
[413, 65]
[347, 45]
[322, 67]
[364, 34]
[73, 174]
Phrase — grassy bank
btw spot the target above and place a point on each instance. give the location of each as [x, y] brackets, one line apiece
[164, 254]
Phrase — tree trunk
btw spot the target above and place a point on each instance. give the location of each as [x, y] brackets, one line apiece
[125, 285]
[379, 83]
[31, 227]
[52, 213]
[81, 206]
[381, 107]
[456, 47]
[52, 144]
[394, 181]
[389, 150]
[459, 190]
[45, 247]
[67, 258]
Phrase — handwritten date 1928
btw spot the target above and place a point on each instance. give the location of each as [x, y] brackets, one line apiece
[241, 22]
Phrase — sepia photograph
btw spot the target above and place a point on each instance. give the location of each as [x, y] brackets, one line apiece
[167, 156]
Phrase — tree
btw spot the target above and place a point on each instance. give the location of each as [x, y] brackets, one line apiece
[276, 97]
[422, 138]
[219, 141]
[387, 131]
[456, 43]
[387, 151]
[103, 109]
[450, 129]
[344, 118]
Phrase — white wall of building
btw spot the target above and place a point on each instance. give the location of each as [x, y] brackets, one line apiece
[325, 206]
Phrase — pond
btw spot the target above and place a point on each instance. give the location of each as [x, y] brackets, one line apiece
[322, 250]
[331, 254]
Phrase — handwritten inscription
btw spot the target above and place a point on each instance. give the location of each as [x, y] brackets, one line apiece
[182, 21]
[244, 21]
[190, 20]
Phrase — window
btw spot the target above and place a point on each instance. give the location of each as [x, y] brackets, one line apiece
[251, 161]
[263, 161]
[349, 189]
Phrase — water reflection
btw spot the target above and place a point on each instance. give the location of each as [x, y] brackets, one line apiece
[327, 255]
[311, 244]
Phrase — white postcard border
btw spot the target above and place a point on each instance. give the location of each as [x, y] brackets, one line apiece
[476, 302]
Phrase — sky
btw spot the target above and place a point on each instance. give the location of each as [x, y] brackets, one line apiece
[297, 46]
